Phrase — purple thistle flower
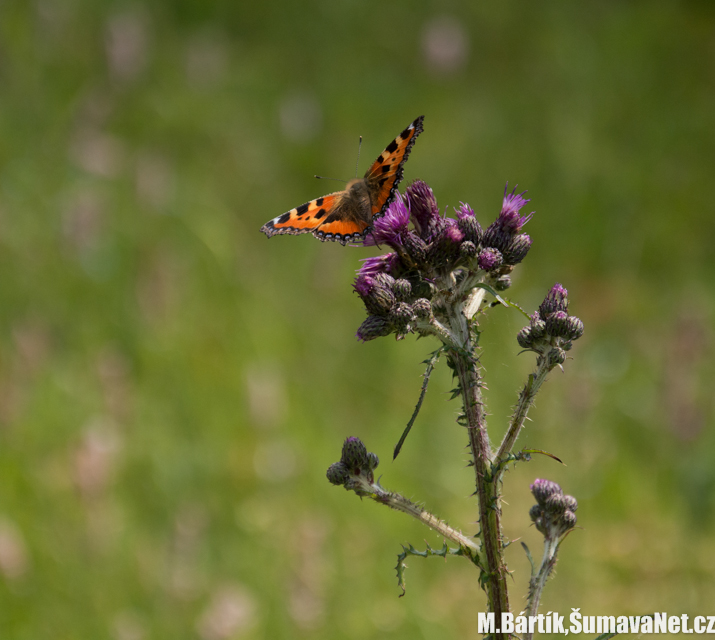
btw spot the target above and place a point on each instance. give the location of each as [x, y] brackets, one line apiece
[464, 211]
[556, 300]
[489, 259]
[469, 225]
[389, 228]
[423, 209]
[451, 231]
[509, 216]
[379, 264]
[542, 489]
[363, 284]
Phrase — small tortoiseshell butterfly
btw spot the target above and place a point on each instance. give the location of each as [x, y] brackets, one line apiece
[347, 215]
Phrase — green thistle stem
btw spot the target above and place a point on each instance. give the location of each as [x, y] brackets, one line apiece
[490, 534]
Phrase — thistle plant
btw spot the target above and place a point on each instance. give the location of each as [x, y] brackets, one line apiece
[440, 277]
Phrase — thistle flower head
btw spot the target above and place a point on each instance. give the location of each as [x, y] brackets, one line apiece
[379, 264]
[502, 231]
[354, 470]
[551, 330]
[553, 514]
[511, 205]
[556, 300]
[423, 209]
[390, 227]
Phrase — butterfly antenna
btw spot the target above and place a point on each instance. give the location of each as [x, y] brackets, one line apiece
[357, 164]
[324, 178]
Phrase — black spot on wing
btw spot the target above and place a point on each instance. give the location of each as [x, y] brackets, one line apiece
[386, 168]
[283, 219]
[319, 202]
[392, 147]
[406, 133]
[302, 208]
[320, 214]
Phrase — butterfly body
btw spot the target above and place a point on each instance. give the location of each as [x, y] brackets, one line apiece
[347, 215]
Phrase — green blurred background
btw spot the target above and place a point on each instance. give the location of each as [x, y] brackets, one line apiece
[173, 386]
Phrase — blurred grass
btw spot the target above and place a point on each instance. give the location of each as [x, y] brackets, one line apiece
[172, 387]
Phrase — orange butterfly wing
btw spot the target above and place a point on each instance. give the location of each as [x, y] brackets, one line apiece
[341, 230]
[303, 219]
[386, 172]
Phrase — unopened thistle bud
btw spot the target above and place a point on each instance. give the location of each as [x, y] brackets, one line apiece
[557, 324]
[338, 473]
[401, 314]
[422, 308]
[574, 328]
[543, 489]
[402, 289]
[415, 247]
[502, 283]
[379, 300]
[373, 327]
[467, 249]
[556, 300]
[553, 514]
[538, 329]
[355, 469]
[354, 454]
[524, 338]
[517, 249]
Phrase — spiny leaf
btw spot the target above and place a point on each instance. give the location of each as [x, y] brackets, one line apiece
[430, 367]
[531, 560]
[543, 453]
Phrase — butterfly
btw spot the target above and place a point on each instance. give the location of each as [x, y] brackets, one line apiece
[346, 216]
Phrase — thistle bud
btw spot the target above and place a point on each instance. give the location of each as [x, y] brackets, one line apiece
[517, 249]
[556, 300]
[489, 259]
[538, 329]
[502, 283]
[469, 225]
[524, 338]
[415, 247]
[557, 324]
[542, 489]
[496, 237]
[423, 209]
[373, 327]
[534, 513]
[354, 454]
[574, 328]
[554, 513]
[379, 301]
[467, 249]
[422, 308]
[338, 473]
[401, 314]
[402, 289]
